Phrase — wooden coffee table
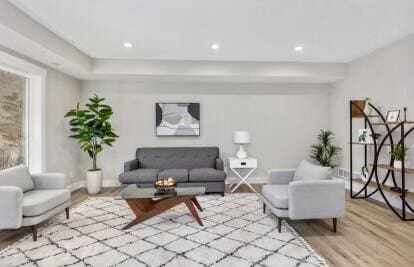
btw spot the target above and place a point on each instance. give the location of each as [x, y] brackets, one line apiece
[146, 203]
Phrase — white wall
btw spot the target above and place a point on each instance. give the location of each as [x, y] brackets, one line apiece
[62, 153]
[283, 119]
[386, 76]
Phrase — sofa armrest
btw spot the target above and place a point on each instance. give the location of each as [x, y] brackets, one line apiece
[219, 164]
[11, 207]
[282, 176]
[317, 199]
[48, 181]
[131, 165]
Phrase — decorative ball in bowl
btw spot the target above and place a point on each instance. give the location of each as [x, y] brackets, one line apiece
[165, 185]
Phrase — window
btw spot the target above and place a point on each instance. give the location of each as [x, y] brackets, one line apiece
[13, 119]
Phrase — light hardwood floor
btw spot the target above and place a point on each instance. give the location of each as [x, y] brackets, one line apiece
[370, 235]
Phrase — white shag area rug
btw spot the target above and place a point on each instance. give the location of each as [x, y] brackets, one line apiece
[235, 233]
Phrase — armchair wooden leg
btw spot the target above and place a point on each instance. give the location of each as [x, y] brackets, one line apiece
[34, 232]
[279, 224]
[67, 212]
[334, 221]
[264, 207]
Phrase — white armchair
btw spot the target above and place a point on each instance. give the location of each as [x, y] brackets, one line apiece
[307, 193]
[27, 200]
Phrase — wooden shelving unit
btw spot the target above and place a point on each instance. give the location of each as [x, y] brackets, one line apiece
[388, 167]
[404, 127]
[387, 189]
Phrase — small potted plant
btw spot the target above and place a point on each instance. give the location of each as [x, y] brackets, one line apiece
[398, 154]
[93, 130]
[325, 152]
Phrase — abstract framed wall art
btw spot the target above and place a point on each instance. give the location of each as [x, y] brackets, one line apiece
[177, 119]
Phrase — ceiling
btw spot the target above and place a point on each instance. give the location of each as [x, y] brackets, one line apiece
[246, 30]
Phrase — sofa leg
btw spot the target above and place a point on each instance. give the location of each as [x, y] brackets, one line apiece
[264, 207]
[34, 232]
[67, 212]
[279, 224]
[222, 194]
[334, 221]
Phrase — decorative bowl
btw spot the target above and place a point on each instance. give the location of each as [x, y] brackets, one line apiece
[165, 185]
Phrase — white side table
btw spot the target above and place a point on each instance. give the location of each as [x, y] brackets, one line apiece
[236, 165]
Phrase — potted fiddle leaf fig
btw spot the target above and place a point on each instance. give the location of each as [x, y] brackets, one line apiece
[92, 127]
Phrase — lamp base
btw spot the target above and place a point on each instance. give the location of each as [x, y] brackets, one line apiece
[241, 154]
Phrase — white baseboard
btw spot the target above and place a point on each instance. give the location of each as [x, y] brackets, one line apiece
[76, 185]
[82, 184]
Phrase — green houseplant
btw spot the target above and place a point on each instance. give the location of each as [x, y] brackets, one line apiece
[325, 152]
[398, 154]
[93, 130]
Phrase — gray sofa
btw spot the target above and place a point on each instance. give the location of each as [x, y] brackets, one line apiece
[28, 200]
[190, 166]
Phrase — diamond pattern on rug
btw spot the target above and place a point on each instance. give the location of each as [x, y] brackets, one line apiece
[235, 233]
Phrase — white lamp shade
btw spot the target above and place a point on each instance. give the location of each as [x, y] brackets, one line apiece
[241, 137]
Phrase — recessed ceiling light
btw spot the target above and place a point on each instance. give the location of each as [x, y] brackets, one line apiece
[215, 46]
[127, 45]
[298, 48]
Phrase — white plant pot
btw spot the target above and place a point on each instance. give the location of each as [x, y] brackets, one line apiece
[94, 181]
[397, 164]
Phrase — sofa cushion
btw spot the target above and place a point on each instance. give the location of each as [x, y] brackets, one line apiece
[37, 202]
[139, 176]
[180, 175]
[309, 171]
[17, 176]
[177, 157]
[277, 195]
[206, 175]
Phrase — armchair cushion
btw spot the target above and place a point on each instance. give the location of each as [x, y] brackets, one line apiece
[309, 171]
[180, 175]
[277, 195]
[139, 176]
[37, 202]
[47, 181]
[17, 176]
[281, 176]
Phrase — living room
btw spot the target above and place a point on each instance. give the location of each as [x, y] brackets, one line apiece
[208, 133]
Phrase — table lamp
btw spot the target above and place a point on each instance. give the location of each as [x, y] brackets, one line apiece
[241, 137]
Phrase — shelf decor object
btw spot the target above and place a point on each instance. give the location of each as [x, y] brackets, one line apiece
[373, 178]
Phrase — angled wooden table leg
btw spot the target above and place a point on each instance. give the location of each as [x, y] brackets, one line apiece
[193, 211]
[148, 208]
[195, 201]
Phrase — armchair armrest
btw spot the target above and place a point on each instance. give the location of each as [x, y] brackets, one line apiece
[282, 176]
[219, 164]
[131, 165]
[317, 199]
[11, 207]
[47, 181]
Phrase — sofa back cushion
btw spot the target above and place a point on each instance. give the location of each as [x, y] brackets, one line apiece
[17, 176]
[309, 171]
[177, 157]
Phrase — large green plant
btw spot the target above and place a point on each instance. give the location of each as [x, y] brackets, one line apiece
[325, 152]
[91, 127]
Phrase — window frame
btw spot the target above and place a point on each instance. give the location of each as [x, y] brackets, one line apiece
[35, 107]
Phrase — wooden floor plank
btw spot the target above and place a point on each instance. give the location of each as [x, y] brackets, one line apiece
[369, 235]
